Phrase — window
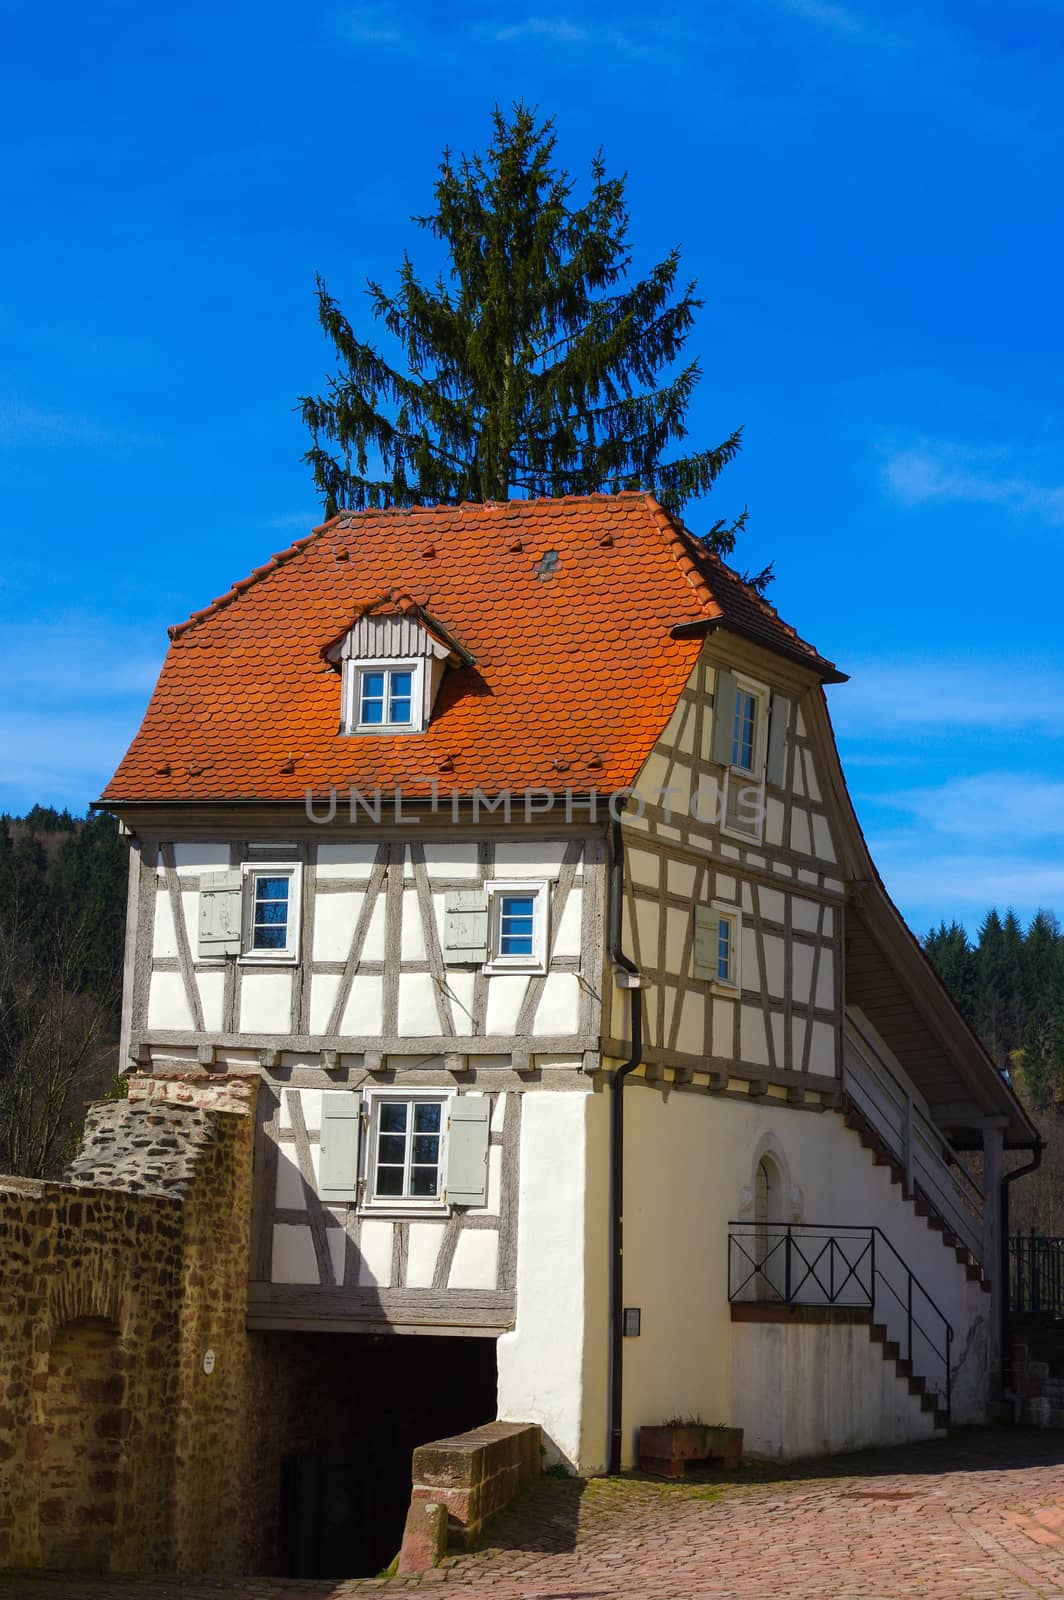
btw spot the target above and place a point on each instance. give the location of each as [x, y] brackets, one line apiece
[385, 697]
[405, 1159]
[727, 964]
[517, 927]
[744, 736]
[271, 919]
[715, 953]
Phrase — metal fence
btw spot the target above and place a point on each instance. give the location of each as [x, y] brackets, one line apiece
[1036, 1273]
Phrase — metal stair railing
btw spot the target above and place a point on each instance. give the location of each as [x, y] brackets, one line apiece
[922, 1150]
[845, 1265]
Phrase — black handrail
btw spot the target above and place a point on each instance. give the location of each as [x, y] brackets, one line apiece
[792, 1237]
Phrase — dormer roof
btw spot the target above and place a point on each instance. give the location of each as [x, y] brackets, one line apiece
[575, 623]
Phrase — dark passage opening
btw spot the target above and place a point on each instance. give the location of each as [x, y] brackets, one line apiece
[341, 1416]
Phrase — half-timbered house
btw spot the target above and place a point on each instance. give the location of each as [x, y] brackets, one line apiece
[509, 848]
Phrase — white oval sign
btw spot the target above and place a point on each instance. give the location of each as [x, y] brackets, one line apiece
[208, 1362]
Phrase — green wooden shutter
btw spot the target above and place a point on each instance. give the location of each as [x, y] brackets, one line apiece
[466, 1181]
[724, 717]
[465, 927]
[779, 718]
[220, 906]
[706, 943]
[341, 1123]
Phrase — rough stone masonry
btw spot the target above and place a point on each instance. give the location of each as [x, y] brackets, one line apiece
[118, 1450]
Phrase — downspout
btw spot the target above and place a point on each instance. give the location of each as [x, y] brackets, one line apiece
[626, 974]
[1003, 1264]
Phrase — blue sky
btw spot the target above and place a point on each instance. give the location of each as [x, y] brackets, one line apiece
[869, 196]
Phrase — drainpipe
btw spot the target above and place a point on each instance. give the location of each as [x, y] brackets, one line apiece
[626, 974]
[1003, 1264]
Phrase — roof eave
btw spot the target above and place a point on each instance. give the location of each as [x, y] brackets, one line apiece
[702, 627]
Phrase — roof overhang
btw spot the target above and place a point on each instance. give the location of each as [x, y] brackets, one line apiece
[702, 627]
[895, 985]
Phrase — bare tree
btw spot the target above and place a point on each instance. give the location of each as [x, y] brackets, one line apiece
[56, 1046]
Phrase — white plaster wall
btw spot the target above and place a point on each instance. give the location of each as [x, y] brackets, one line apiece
[688, 1159]
[167, 1006]
[552, 1365]
[805, 1390]
[265, 1001]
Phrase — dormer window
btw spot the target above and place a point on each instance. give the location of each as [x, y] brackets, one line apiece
[385, 695]
[392, 660]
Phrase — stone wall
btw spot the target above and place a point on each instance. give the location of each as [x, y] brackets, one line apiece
[119, 1450]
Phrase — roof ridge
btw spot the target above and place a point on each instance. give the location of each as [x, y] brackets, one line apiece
[672, 530]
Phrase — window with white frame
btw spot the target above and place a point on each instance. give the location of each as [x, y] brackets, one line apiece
[385, 697]
[747, 741]
[517, 926]
[406, 1157]
[271, 911]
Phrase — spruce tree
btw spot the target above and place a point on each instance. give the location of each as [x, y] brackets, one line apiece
[530, 366]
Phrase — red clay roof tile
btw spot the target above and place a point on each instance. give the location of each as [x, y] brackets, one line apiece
[576, 670]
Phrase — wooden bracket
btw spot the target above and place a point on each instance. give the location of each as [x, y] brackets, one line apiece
[373, 1061]
[521, 1061]
[205, 1055]
[455, 1063]
[269, 1060]
[330, 1060]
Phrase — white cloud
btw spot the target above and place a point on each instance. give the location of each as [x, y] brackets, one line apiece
[960, 884]
[61, 759]
[75, 659]
[23, 424]
[372, 24]
[928, 474]
[886, 697]
[541, 27]
[303, 520]
[1005, 809]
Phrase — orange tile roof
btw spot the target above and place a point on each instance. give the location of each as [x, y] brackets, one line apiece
[575, 673]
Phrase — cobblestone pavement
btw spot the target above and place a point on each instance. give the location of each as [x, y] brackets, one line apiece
[978, 1517]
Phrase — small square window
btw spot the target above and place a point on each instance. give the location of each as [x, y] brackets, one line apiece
[406, 1149]
[517, 927]
[271, 920]
[384, 697]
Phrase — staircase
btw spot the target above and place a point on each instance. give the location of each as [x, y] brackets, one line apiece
[923, 1206]
[810, 1272]
[882, 1107]
[930, 1400]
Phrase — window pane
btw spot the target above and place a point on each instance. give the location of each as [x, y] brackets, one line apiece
[426, 1148]
[745, 727]
[389, 1180]
[393, 1116]
[271, 888]
[271, 913]
[517, 925]
[270, 938]
[391, 1148]
[423, 1182]
[724, 952]
[372, 697]
[427, 1117]
[400, 695]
